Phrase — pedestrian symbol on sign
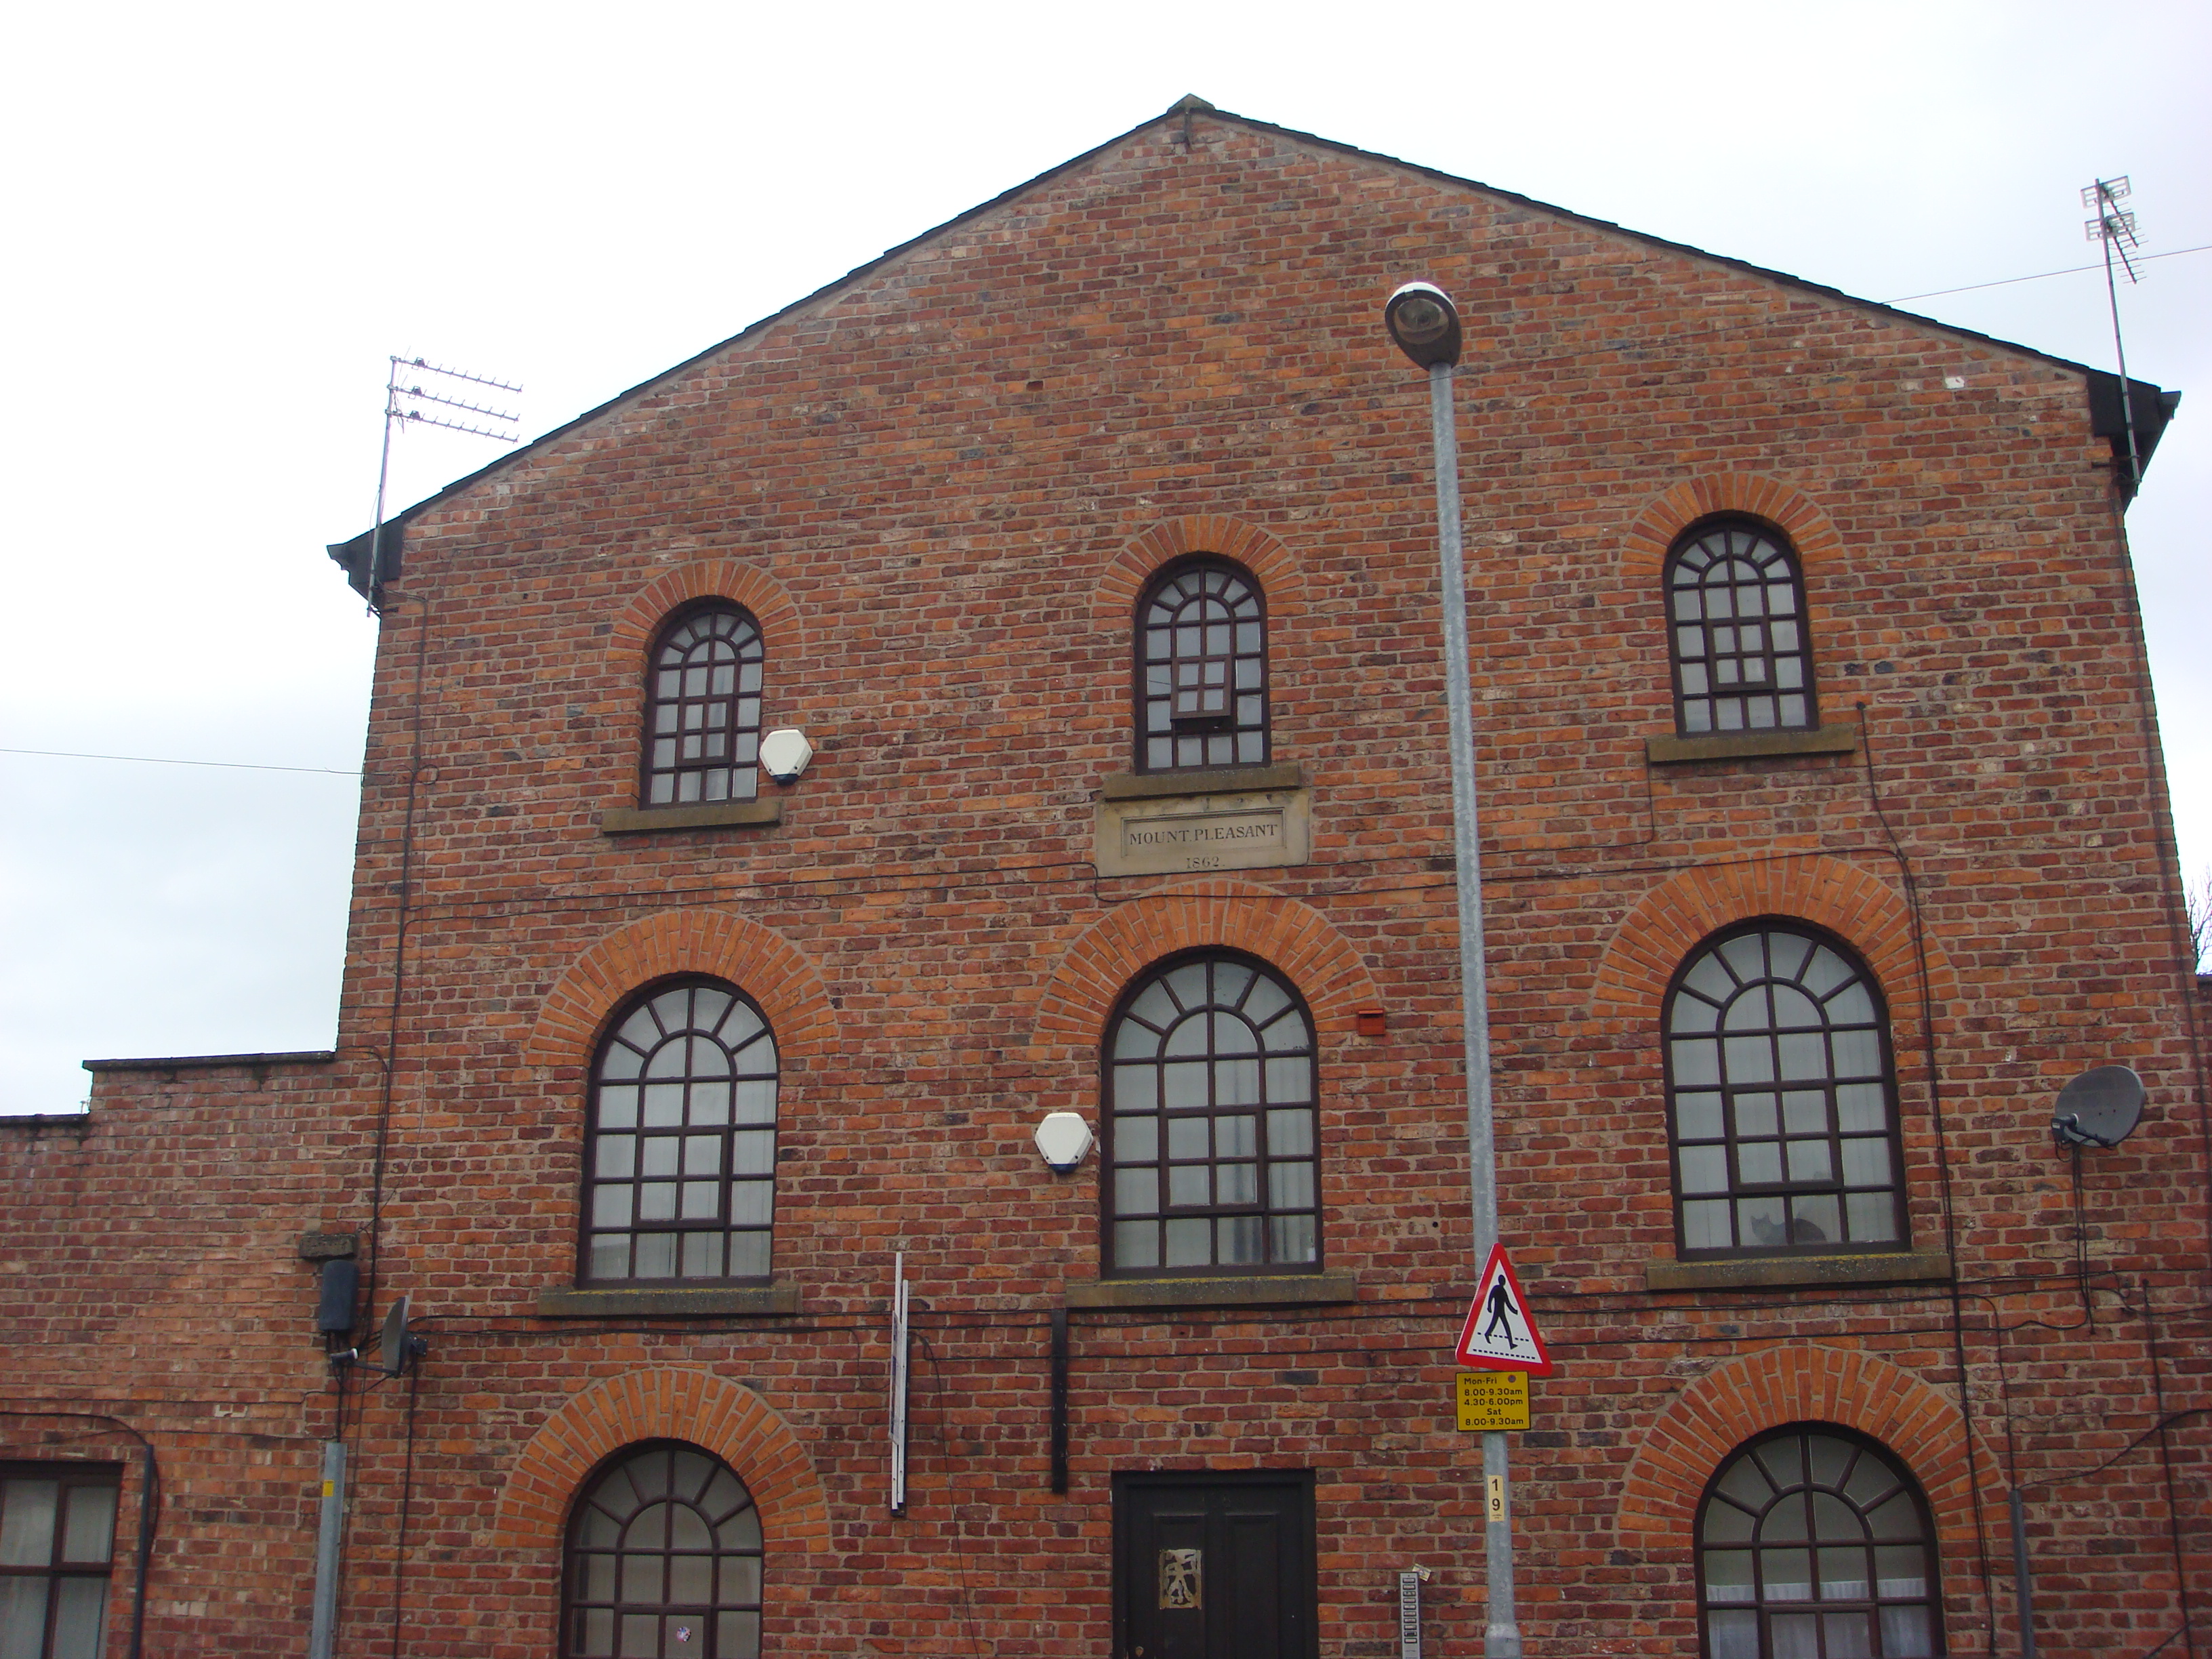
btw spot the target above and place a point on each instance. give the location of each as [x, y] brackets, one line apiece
[1500, 1335]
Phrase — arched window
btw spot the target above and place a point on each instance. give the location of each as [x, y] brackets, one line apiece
[679, 1163]
[702, 709]
[663, 1559]
[1781, 1097]
[1735, 600]
[1209, 1115]
[1813, 1542]
[1202, 668]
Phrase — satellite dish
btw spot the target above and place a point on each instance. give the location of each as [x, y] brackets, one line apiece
[391, 1354]
[2100, 1107]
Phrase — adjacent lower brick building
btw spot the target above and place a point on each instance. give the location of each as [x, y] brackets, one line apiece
[1088, 540]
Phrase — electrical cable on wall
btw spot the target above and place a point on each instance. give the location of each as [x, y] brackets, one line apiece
[1942, 1171]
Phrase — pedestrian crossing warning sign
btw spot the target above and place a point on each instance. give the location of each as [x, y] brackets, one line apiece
[1500, 1334]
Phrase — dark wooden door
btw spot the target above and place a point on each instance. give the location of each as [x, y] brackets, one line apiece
[1214, 1566]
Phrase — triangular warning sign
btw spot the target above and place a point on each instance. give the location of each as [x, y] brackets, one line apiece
[1501, 1332]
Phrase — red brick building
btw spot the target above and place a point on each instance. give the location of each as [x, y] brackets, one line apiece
[1089, 541]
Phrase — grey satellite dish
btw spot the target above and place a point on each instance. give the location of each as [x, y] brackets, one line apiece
[393, 1349]
[2100, 1108]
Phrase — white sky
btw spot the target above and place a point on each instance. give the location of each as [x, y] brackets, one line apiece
[221, 218]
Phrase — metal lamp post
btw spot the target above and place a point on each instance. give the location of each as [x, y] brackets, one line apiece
[1424, 324]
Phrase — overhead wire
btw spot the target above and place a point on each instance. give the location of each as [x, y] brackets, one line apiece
[167, 760]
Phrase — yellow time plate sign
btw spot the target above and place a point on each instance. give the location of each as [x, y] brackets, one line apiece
[1492, 1400]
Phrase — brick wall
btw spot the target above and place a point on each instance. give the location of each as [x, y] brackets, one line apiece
[939, 488]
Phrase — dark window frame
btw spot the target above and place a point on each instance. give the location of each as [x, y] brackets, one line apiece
[1902, 1482]
[1732, 1137]
[1220, 737]
[1696, 672]
[694, 1124]
[577, 1550]
[730, 718]
[1278, 1244]
[69, 1475]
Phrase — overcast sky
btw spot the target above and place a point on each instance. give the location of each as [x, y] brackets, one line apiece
[221, 218]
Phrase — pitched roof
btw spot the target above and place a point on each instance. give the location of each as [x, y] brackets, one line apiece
[2152, 407]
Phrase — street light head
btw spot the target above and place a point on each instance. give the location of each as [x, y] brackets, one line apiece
[1425, 323]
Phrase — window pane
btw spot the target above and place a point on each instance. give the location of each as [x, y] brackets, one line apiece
[1786, 1574]
[1704, 1168]
[611, 1255]
[1705, 1226]
[28, 1512]
[1900, 1572]
[1189, 1242]
[1843, 1575]
[738, 1636]
[1136, 1192]
[702, 1256]
[1239, 1241]
[1296, 1240]
[1734, 1635]
[1728, 1576]
[1136, 1244]
[1810, 1160]
[752, 1203]
[748, 1256]
[692, 1580]
[80, 1617]
[22, 1617]
[1866, 1163]
[1816, 1220]
[1906, 1633]
[91, 1530]
[1873, 1217]
[1291, 1186]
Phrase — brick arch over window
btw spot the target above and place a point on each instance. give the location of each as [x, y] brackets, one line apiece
[763, 964]
[1294, 938]
[724, 1417]
[1281, 577]
[1669, 921]
[709, 579]
[1653, 531]
[1802, 1382]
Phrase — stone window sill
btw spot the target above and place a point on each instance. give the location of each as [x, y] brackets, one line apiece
[631, 820]
[1213, 781]
[1215, 1290]
[666, 1300]
[1841, 739]
[1779, 1272]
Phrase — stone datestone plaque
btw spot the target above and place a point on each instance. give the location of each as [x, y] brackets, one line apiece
[1169, 836]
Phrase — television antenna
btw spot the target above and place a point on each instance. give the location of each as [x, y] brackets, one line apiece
[408, 401]
[2115, 227]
